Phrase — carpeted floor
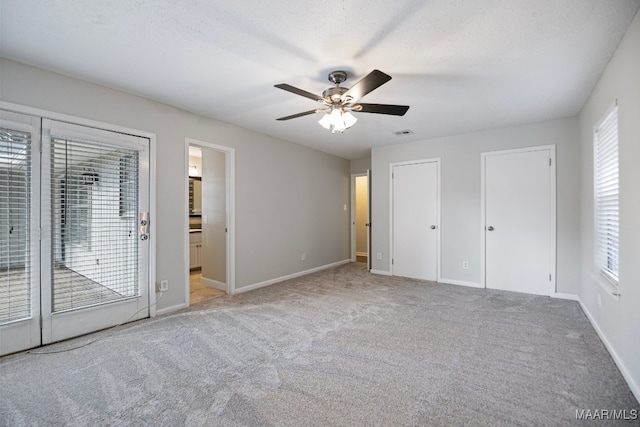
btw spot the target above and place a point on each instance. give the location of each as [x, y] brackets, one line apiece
[339, 347]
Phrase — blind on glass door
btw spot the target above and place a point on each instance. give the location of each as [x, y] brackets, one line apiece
[15, 212]
[607, 196]
[94, 223]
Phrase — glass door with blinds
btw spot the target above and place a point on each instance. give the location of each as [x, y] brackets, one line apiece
[95, 246]
[19, 237]
[74, 243]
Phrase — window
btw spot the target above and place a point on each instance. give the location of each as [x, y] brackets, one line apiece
[607, 196]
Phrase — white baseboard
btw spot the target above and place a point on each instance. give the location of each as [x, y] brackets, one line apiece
[380, 272]
[171, 309]
[289, 276]
[460, 283]
[210, 283]
[635, 388]
[560, 295]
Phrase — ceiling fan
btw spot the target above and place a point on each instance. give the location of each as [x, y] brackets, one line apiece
[338, 102]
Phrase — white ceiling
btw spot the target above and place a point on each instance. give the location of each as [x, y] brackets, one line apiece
[462, 65]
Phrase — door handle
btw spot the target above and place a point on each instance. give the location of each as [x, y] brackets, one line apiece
[490, 228]
[144, 225]
[433, 227]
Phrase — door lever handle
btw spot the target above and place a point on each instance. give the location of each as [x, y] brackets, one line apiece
[433, 227]
[490, 228]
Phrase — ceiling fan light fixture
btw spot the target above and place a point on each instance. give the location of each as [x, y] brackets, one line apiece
[338, 120]
[325, 121]
[349, 119]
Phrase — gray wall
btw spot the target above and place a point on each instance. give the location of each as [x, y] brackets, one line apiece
[460, 227]
[289, 199]
[618, 320]
[360, 165]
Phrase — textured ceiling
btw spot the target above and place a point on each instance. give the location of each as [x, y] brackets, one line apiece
[461, 65]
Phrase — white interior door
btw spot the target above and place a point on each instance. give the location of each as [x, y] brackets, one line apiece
[19, 237]
[415, 219]
[95, 247]
[520, 221]
[369, 252]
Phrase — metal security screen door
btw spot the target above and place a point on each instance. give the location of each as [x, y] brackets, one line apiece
[19, 284]
[94, 253]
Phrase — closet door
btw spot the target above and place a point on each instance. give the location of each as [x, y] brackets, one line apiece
[415, 220]
[519, 220]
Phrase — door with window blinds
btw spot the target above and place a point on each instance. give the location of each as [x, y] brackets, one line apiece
[94, 257]
[19, 240]
[74, 258]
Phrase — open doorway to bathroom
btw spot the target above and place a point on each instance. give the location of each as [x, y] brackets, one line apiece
[209, 202]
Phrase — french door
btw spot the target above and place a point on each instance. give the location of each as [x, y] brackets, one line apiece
[74, 242]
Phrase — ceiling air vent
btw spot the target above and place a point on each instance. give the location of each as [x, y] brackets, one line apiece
[404, 132]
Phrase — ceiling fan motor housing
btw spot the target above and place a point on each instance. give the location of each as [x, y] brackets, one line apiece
[333, 95]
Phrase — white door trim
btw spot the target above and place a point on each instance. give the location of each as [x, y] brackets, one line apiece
[552, 207]
[230, 208]
[437, 161]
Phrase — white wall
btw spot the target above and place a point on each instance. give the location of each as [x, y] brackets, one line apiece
[460, 228]
[617, 319]
[289, 199]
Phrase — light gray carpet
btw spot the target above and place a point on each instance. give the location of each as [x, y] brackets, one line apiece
[339, 347]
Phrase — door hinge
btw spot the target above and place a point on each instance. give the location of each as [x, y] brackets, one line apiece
[549, 277]
[41, 322]
[392, 261]
[549, 162]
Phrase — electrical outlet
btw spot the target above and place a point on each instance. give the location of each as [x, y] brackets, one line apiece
[379, 255]
[303, 256]
[162, 286]
[465, 265]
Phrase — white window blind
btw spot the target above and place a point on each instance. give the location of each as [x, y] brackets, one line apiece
[15, 213]
[607, 196]
[94, 201]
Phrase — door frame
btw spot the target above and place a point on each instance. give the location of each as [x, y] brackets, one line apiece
[438, 163]
[229, 155]
[552, 208]
[353, 216]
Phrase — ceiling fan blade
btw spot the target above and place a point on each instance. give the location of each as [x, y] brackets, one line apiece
[370, 82]
[394, 110]
[294, 116]
[297, 91]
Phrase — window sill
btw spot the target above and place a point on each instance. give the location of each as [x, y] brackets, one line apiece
[612, 290]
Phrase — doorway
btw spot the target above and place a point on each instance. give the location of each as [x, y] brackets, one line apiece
[415, 219]
[518, 208]
[76, 251]
[210, 220]
[360, 218]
